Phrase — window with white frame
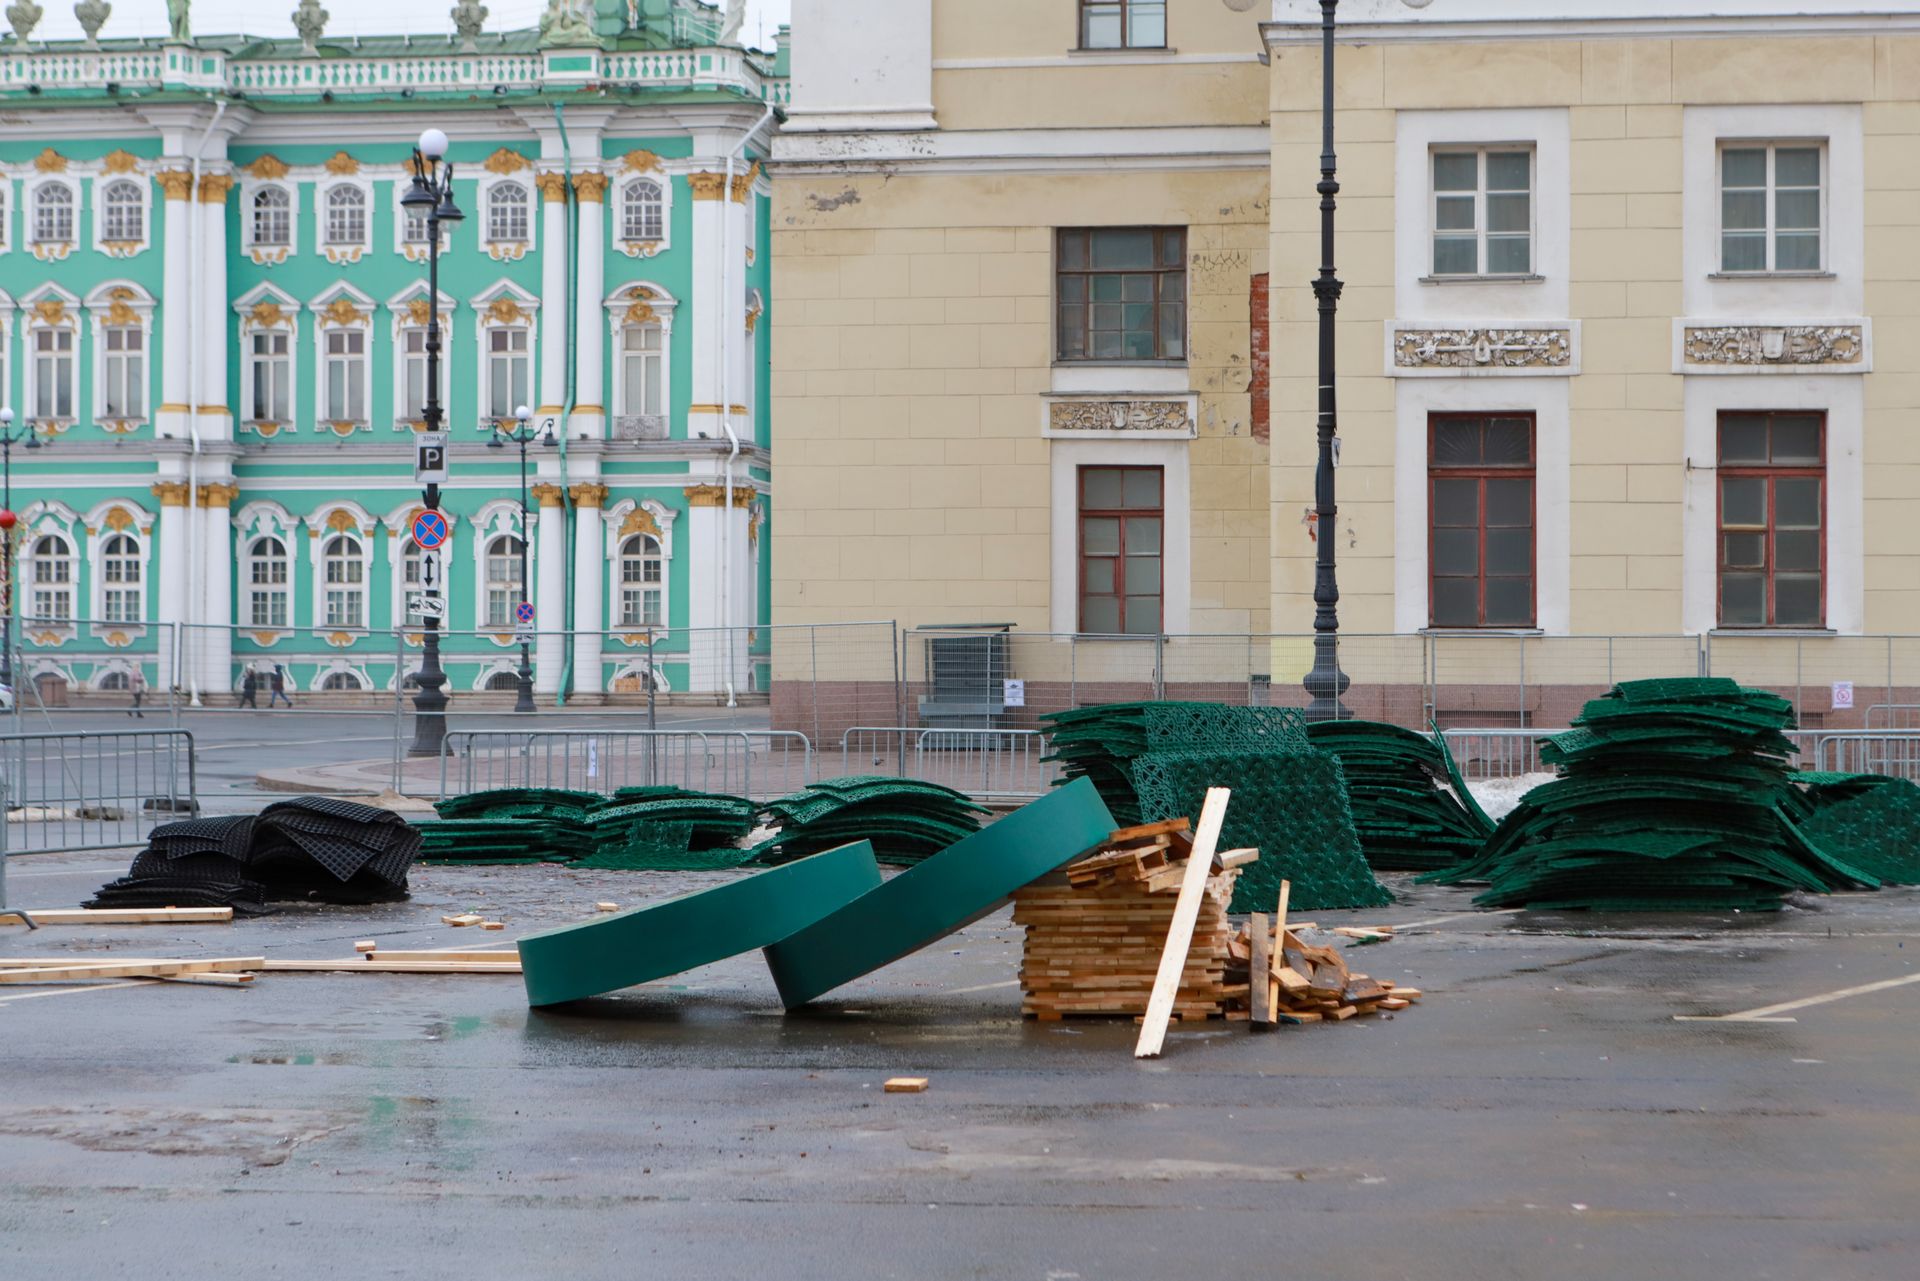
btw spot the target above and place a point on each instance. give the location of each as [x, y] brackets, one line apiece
[270, 382]
[344, 377]
[120, 592]
[509, 374]
[5, 203]
[1772, 206]
[53, 373]
[413, 226]
[507, 212]
[1482, 211]
[122, 211]
[272, 217]
[640, 374]
[642, 582]
[346, 216]
[505, 589]
[53, 214]
[642, 211]
[344, 572]
[124, 358]
[411, 585]
[413, 372]
[51, 567]
[341, 683]
[267, 589]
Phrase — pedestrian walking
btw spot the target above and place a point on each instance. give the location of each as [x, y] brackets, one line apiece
[137, 682]
[277, 688]
[250, 689]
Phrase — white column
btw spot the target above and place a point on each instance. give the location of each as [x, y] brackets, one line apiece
[706, 658]
[214, 647]
[590, 389]
[701, 323]
[170, 534]
[589, 583]
[176, 305]
[210, 327]
[553, 295]
[550, 598]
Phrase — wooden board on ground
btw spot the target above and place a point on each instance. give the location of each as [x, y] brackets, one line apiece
[1260, 967]
[121, 916]
[905, 1085]
[364, 965]
[134, 969]
[1166, 984]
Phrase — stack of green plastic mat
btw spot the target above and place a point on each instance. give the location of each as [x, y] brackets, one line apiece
[510, 825]
[905, 820]
[1397, 784]
[1672, 795]
[1867, 821]
[637, 829]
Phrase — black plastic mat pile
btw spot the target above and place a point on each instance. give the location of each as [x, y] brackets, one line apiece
[199, 863]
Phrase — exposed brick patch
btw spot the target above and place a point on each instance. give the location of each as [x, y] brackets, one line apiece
[1259, 356]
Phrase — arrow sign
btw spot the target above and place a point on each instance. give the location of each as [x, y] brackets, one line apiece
[430, 572]
[430, 530]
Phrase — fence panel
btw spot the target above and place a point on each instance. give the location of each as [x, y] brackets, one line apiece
[760, 764]
[85, 790]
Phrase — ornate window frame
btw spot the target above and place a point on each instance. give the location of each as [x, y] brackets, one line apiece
[349, 252]
[49, 516]
[7, 205]
[7, 309]
[497, 518]
[48, 250]
[622, 521]
[411, 311]
[342, 307]
[641, 247]
[413, 252]
[121, 304]
[49, 307]
[504, 304]
[122, 246]
[269, 309]
[316, 684]
[257, 520]
[340, 516]
[399, 523]
[268, 172]
[641, 302]
[503, 166]
[107, 520]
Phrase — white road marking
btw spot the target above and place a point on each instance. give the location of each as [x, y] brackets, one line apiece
[70, 991]
[1457, 916]
[984, 987]
[65, 871]
[1768, 1013]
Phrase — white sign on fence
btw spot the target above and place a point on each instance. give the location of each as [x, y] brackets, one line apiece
[1842, 696]
[1013, 693]
[593, 758]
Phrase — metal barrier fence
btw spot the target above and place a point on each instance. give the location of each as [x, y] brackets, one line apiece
[760, 764]
[988, 764]
[85, 790]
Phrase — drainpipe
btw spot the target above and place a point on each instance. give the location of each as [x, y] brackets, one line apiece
[194, 401]
[726, 406]
[566, 414]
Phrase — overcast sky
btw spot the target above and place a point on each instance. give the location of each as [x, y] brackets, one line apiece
[349, 17]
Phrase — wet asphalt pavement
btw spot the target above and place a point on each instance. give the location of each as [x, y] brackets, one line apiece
[1540, 1115]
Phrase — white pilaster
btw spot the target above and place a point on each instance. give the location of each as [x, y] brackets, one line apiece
[706, 663]
[176, 303]
[213, 311]
[553, 293]
[170, 534]
[590, 389]
[589, 583]
[710, 208]
[214, 648]
[550, 599]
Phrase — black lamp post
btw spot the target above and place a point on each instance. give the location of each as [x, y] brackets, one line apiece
[1326, 682]
[522, 435]
[8, 438]
[431, 197]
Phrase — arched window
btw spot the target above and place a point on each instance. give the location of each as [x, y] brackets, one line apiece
[272, 217]
[640, 374]
[346, 216]
[507, 212]
[341, 683]
[642, 212]
[503, 580]
[346, 588]
[267, 583]
[121, 600]
[116, 681]
[507, 681]
[52, 569]
[121, 207]
[642, 583]
[53, 214]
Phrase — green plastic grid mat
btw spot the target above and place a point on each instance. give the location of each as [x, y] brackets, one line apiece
[1291, 806]
[1397, 785]
[906, 820]
[642, 944]
[1876, 829]
[931, 900]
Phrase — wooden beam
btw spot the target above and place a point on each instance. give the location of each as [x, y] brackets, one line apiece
[129, 970]
[1260, 972]
[1186, 913]
[448, 954]
[357, 965]
[122, 916]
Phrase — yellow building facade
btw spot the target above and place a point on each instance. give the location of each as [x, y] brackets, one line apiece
[1623, 370]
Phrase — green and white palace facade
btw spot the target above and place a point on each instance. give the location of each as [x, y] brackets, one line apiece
[215, 313]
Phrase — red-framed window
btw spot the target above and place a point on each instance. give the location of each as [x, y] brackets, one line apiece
[1122, 539]
[1772, 519]
[1480, 520]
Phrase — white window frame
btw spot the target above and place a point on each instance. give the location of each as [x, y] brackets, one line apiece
[1482, 233]
[7, 203]
[100, 306]
[494, 520]
[325, 323]
[399, 523]
[32, 585]
[254, 592]
[49, 249]
[345, 251]
[125, 365]
[31, 325]
[414, 251]
[1771, 234]
[103, 239]
[486, 320]
[480, 211]
[339, 357]
[499, 212]
[663, 305]
[401, 305]
[616, 533]
[621, 584]
[265, 254]
[642, 247]
[287, 327]
[138, 532]
[322, 673]
[1067, 458]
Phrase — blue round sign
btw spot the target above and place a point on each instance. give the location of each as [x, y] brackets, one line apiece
[524, 611]
[430, 530]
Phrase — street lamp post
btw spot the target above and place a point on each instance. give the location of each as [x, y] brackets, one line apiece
[522, 435]
[1326, 682]
[8, 438]
[431, 197]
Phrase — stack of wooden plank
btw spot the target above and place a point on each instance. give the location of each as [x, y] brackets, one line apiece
[1096, 931]
[1304, 983]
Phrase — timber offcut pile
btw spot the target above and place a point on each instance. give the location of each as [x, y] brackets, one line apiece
[1096, 932]
[1305, 983]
